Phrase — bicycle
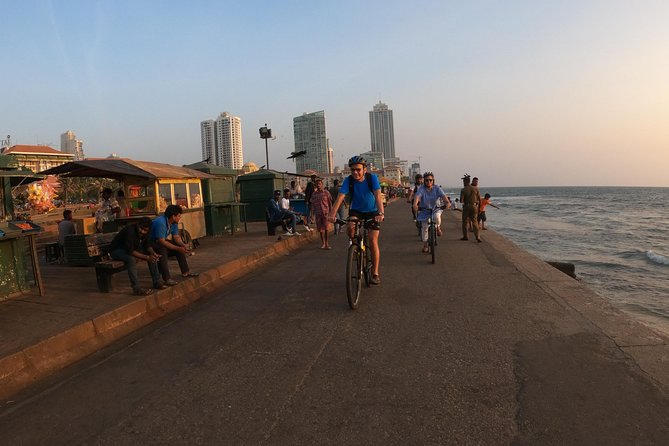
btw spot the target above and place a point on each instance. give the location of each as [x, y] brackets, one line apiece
[431, 231]
[358, 261]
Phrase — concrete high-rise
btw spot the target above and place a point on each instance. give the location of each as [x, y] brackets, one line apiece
[222, 141]
[208, 141]
[382, 131]
[70, 144]
[311, 137]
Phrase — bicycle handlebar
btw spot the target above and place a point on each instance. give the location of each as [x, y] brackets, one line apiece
[432, 209]
[362, 221]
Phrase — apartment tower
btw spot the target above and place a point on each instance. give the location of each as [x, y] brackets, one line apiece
[381, 130]
[70, 144]
[311, 137]
[222, 141]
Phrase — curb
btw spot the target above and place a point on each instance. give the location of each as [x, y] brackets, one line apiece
[23, 368]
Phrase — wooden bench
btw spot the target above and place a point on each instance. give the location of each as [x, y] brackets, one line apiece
[104, 270]
[85, 250]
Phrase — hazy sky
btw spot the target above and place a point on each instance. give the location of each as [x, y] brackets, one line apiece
[516, 92]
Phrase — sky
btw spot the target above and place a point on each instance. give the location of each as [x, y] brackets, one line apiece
[518, 93]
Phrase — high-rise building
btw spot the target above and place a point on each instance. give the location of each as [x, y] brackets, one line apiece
[311, 136]
[70, 144]
[374, 159]
[229, 141]
[382, 131]
[208, 140]
[222, 141]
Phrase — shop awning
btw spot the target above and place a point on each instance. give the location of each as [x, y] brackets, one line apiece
[120, 168]
[19, 177]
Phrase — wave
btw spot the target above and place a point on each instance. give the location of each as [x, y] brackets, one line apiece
[657, 258]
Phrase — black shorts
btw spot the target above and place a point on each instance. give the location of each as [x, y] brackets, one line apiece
[482, 216]
[373, 225]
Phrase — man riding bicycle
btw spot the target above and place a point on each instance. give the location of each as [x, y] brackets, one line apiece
[426, 199]
[417, 184]
[366, 204]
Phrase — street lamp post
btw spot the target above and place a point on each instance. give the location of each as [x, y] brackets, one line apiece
[266, 134]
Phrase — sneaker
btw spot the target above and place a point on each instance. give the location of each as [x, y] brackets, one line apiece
[289, 233]
[308, 228]
[142, 292]
[375, 280]
[171, 282]
[159, 286]
[296, 233]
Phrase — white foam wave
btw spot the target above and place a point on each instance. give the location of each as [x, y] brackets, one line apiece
[657, 258]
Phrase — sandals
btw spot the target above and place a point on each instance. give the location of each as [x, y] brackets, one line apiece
[426, 249]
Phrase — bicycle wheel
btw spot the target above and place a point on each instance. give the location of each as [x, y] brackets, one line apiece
[432, 240]
[353, 275]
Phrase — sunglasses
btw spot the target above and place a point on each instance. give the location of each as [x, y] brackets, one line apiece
[429, 179]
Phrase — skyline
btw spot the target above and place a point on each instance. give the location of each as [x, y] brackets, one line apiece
[517, 93]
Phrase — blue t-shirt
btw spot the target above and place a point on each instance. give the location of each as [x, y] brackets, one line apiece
[160, 228]
[363, 199]
[428, 199]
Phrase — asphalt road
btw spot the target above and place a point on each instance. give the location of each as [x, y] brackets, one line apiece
[467, 351]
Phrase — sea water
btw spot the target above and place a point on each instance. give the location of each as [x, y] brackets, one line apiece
[617, 237]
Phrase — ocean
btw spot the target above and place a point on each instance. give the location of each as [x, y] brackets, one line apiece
[617, 237]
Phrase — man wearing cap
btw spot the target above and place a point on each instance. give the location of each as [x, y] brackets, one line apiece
[130, 244]
[470, 197]
[276, 214]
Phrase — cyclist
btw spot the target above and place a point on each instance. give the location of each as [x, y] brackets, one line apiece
[418, 182]
[366, 203]
[428, 195]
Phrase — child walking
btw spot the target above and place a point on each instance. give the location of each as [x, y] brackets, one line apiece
[321, 203]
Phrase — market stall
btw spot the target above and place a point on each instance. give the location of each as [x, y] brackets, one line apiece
[19, 267]
[149, 188]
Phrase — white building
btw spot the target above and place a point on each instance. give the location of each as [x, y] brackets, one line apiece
[222, 141]
[311, 136]
[382, 131]
[208, 141]
[70, 144]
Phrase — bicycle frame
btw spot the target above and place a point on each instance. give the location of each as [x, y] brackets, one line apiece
[431, 231]
[359, 262]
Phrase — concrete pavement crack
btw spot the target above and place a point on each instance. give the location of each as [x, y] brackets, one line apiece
[300, 384]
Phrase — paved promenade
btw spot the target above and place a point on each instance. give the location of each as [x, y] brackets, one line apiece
[41, 334]
[587, 342]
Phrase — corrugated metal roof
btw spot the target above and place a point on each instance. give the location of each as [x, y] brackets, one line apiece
[118, 168]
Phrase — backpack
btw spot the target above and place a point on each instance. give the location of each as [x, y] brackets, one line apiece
[368, 177]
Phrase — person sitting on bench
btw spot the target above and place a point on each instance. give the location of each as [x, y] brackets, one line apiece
[277, 215]
[161, 228]
[131, 243]
[65, 227]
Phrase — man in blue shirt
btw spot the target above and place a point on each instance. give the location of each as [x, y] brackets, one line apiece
[366, 203]
[276, 214]
[161, 228]
[425, 204]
